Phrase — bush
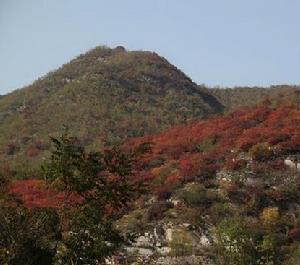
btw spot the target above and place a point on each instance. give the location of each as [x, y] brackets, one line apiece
[3, 181]
[11, 149]
[206, 145]
[157, 210]
[270, 216]
[196, 195]
[236, 243]
[294, 233]
[163, 193]
[28, 236]
[261, 152]
[235, 164]
[220, 211]
[181, 243]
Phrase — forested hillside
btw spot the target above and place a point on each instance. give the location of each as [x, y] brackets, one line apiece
[209, 186]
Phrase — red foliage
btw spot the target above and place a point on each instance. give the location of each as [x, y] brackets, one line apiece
[277, 164]
[234, 132]
[34, 193]
[41, 145]
[189, 165]
[295, 233]
[220, 138]
[33, 152]
[173, 180]
[232, 189]
[163, 193]
[276, 195]
[11, 148]
[235, 164]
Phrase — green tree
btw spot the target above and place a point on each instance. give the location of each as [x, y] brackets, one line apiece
[237, 244]
[102, 181]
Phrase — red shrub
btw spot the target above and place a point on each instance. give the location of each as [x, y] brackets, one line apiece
[40, 145]
[173, 180]
[11, 148]
[235, 164]
[34, 193]
[295, 233]
[32, 152]
[163, 193]
[239, 130]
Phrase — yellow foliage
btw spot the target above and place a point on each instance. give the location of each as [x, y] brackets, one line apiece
[270, 216]
[156, 171]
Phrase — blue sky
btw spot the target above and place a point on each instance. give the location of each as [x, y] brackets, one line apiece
[216, 42]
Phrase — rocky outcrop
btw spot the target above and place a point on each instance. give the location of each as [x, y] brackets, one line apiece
[189, 260]
[162, 244]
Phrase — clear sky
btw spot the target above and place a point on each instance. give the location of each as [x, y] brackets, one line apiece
[216, 42]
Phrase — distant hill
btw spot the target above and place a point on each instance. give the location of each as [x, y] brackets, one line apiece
[104, 95]
[233, 98]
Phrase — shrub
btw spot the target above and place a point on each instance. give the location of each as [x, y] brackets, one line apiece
[157, 210]
[11, 149]
[220, 211]
[235, 164]
[294, 233]
[3, 182]
[261, 152]
[196, 195]
[206, 145]
[270, 216]
[28, 236]
[236, 243]
[163, 193]
[32, 152]
[181, 243]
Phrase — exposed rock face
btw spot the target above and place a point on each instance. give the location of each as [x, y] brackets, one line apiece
[189, 260]
[292, 163]
[156, 246]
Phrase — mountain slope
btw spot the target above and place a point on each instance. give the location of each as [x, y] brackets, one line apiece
[218, 180]
[213, 184]
[103, 95]
[233, 98]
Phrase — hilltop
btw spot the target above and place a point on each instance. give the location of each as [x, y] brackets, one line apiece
[102, 96]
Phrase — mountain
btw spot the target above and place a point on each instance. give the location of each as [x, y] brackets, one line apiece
[104, 95]
[233, 98]
[226, 188]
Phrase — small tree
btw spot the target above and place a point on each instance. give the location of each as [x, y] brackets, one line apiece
[102, 180]
[236, 243]
[261, 152]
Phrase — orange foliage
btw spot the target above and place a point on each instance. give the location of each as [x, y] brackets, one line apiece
[173, 180]
[33, 152]
[234, 132]
[34, 193]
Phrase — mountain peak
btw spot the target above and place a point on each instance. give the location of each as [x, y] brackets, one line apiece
[103, 95]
